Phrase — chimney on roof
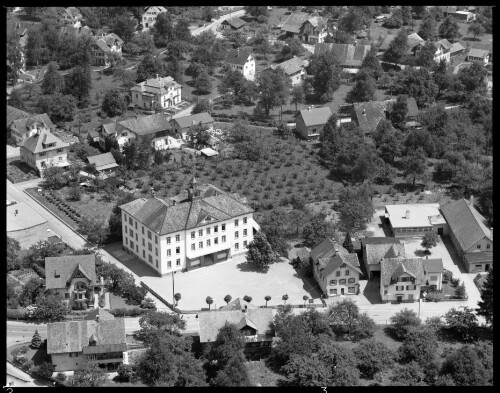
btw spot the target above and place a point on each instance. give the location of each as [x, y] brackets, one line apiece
[245, 309]
[491, 233]
[407, 215]
[238, 52]
[153, 192]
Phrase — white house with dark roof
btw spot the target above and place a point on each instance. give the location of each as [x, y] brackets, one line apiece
[150, 15]
[243, 62]
[22, 124]
[481, 56]
[456, 49]
[156, 93]
[71, 16]
[443, 50]
[472, 239]
[293, 68]
[98, 339]
[306, 28]
[350, 56]
[310, 122]
[43, 149]
[74, 278]
[409, 220]
[233, 24]
[181, 125]
[104, 163]
[198, 228]
[255, 324]
[156, 126]
[103, 46]
[336, 271]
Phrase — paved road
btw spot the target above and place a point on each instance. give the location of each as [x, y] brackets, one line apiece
[214, 25]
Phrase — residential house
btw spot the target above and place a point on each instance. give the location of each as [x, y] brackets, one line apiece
[15, 114]
[478, 56]
[22, 29]
[94, 135]
[415, 220]
[103, 47]
[377, 248]
[71, 16]
[43, 149]
[464, 16]
[181, 125]
[310, 122]
[155, 126]
[294, 69]
[68, 30]
[367, 115]
[104, 163]
[443, 48]
[306, 28]
[150, 15]
[200, 227]
[350, 56]
[100, 340]
[156, 93]
[470, 235]
[336, 271]
[433, 272]
[401, 279]
[255, 324]
[74, 278]
[456, 49]
[449, 10]
[233, 24]
[413, 111]
[243, 62]
[26, 125]
[415, 43]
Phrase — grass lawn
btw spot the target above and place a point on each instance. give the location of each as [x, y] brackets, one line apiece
[277, 15]
[259, 373]
[38, 356]
[119, 302]
[19, 171]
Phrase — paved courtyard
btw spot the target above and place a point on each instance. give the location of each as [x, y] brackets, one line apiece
[237, 278]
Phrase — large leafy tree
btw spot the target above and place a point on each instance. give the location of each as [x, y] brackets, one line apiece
[462, 323]
[122, 26]
[326, 71]
[53, 81]
[425, 57]
[371, 64]
[13, 248]
[316, 231]
[430, 240]
[149, 67]
[419, 345]
[397, 48]
[79, 83]
[427, 28]
[160, 323]
[373, 357]
[58, 107]
[410, 374]
[259, 251]
[96, 231]
[274, 88]
[414, 164]
[465, 367]
[91, 375]
[347, 321]
[486, 304]
[364, 88]
[33, 287]
[403, 321]
[113, 103]
[399, 111]
[355, 210]
[163, 29]
[353, 20]
[141, 44]
[476, 29]
[449, 29]
[14, 55]
[473, 79]
[418, 84]
[50, 307]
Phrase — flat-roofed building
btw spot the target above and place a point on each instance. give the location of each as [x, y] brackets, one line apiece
[415, 220]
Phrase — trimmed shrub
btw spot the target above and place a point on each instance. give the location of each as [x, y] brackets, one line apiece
[61, 376]
[16, 314]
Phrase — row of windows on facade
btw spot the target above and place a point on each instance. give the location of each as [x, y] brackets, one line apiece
[343, 281]
[43, 153]
[333, 291]
[193, 233]
[338, 273]
[402, 288]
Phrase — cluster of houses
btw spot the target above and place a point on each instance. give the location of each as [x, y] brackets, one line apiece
[401, 277]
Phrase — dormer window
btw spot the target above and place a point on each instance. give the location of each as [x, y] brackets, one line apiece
[56, 275]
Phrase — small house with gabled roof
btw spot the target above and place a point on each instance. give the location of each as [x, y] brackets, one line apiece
[23, 124]
[233, 24]
[103, 46]
[336, 271]
[74, 278]
[243, 62]
[103, 162]
[71, 16]
[310, 122]
[306, 28]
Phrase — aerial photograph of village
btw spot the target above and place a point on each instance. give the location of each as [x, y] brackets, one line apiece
[249, 196]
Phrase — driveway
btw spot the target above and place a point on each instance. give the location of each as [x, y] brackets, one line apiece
[237, 278]
[375, 224]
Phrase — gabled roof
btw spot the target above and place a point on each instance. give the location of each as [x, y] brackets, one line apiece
[22, 123]
[188, 121]
[103, 161]
[76, 271]
[64, 267]
[35, 143]
[295, 22]
[245, 321]
[443, 43]
[158, 9]
[456, 47]
[330, 255]
[74, 336]
[369, 114]
[15, 114]
[474, 52]
[434, 265]
[315, 116]
[237, 304]
[326, 249]
[162, 218]
[379, 240]
[466, 223]
[102, 45]
[235, 22]
[156, 85]
[386, 42]
[303, 254]
[376, 252]
[479, 257]
[413, 40]
[212, 321]
[391, 268]
[73, 12]
[291, 66]
[142, 125]
[411, 104]
[238, 56]
[348, 55]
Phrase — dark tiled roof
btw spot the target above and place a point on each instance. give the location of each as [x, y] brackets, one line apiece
[35, 143]
[326, 249]
[413, 40]
[21, 123]
[369, 114]
[291, 66]
[102, 45]
[237, 304]
[188, 121]
[103, 161]
[237, 56]
[379, 240]
[162, 218]
[474, 52]
[376, 252]
[434, 265]
[348, 55]
[102, 313]
[478, 257]
[315, 116]
[212, 321]
[245, 321]
[156, 85]
[15, 114]
[65, 266]
[394, 267]
[466, 223]
[456, 47]
[295, 22]
[329, 255]
[73, 12]
[444, 43]
[234, 22]
[64, 337]
[413, 110]
[143, 125]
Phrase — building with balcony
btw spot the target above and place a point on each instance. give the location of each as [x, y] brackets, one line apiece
[42, 149]
[150, 15]
[99, 338]
[156, 93]
[255, 325]
[199, 227]
[74, 278]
